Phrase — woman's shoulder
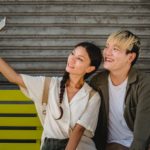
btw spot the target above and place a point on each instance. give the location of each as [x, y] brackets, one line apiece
[56, 79]
[90, 90]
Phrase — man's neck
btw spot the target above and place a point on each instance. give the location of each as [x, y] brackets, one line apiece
[118, 78]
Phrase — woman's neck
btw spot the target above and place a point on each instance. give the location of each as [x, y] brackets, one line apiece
[75, 82]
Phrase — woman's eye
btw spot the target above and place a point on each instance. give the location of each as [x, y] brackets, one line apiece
[72, 53]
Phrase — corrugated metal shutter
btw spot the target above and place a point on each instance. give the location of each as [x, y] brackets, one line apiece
[39, 34]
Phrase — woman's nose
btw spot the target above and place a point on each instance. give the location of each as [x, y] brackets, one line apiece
[72, 59]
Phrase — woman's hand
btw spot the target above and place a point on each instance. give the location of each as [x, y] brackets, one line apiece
[10, 73]
[75, 137]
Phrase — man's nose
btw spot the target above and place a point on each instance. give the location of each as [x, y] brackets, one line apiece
[108, 51]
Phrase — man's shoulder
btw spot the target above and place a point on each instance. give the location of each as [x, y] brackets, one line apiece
[139, 77]
[100, 75]
[143, 77]
[99, 79]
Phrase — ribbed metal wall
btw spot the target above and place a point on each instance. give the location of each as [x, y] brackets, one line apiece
[39, 34]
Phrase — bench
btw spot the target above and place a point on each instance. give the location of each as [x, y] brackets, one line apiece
[20, 127]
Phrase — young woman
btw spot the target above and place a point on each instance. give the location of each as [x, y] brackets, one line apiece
[71, 114]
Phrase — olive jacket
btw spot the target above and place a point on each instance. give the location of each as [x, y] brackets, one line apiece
[136, 111]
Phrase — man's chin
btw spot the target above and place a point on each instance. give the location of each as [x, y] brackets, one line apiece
[107, 67]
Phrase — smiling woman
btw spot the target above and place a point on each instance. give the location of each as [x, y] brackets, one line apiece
[71, 113]
[79, 62]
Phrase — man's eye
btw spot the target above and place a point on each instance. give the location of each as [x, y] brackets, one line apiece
[80, 59]
[116, 49]
[105, 46]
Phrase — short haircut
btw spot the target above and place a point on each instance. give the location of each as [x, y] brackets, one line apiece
[126, 40]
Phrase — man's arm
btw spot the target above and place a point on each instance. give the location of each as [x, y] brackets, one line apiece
[142, 121]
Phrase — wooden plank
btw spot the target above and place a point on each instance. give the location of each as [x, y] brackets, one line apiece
[12, 95]
[71, 30]
[75, 2]
[20, 134]
[119, 8]
[26, 55]
[20, 121]
[17, 109]
[100, 19]
[35, 65]
[20, 146]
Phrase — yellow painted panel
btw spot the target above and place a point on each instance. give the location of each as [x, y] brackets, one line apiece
[11, 95]
[19, 146]
[20, 134]
[20, 121]
[17, 108]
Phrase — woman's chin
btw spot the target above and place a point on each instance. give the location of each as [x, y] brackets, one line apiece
[68, 69]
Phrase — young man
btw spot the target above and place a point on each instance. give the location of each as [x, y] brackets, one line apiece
[124, 118]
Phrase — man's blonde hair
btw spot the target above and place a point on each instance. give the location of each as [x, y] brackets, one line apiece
[126, 40]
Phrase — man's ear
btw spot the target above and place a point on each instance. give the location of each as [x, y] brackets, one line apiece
[132, 56]
[90, 69]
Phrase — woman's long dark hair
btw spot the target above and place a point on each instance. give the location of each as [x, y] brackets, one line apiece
[95, 56]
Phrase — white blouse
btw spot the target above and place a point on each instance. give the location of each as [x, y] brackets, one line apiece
[80, 110]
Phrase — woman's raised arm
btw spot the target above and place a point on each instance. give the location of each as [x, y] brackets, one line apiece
[10, 74]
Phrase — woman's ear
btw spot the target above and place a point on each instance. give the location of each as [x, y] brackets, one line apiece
[90, 69]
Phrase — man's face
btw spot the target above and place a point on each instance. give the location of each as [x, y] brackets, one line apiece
[115, 59]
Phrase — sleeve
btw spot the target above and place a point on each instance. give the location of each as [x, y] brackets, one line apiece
[142, 121]
[90, 116]
[94, 81]
[34, 87]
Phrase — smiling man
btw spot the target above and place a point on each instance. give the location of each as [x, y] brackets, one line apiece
[124, 118]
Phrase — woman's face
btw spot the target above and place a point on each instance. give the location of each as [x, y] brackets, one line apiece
[79, 62]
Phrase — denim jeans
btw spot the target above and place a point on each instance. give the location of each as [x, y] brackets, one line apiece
[54, 144]
[116, 146]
